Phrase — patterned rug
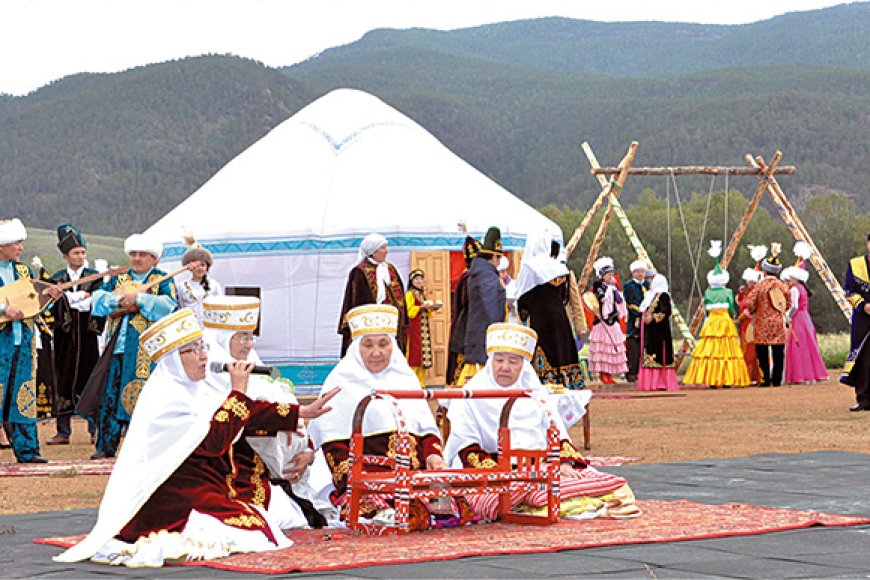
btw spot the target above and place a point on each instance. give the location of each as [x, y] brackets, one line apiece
[75, 468]
[58, 468]
[319, 550]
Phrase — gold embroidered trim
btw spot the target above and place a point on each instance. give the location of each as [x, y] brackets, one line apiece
[486, 463]
[27, 399]
[569, 452]
[338, 471]
[245, 521]
[237, 407]
[257, 481]
[283, 409]
[222, 416]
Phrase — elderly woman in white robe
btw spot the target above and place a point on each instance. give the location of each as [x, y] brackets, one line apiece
[170, 493]
[374, 360]
[273, 471]
[473, 441]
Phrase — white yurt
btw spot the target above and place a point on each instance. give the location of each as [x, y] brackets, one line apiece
[284, 220]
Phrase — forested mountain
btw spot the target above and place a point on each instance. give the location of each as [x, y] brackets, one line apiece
[834, 36]
[114, 152]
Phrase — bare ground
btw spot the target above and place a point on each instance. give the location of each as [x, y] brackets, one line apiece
[697, 424]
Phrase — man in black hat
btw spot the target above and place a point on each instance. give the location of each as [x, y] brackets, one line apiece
[76, 332]
[856, 371]
[486, 302]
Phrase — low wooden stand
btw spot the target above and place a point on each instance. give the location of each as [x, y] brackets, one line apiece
[517, 469]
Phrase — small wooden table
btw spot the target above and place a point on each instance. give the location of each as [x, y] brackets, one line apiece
[517, 469]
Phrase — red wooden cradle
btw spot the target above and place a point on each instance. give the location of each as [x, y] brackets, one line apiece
[517, 469]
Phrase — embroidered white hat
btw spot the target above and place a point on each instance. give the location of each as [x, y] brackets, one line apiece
[169, 333]
[239, 313]
[512, 338]
[143, 243]
[752, 275]
[372, 319]
[12, 231]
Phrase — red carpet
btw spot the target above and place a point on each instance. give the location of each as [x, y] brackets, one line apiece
[58, 468]
[73, 468]
[316, 551]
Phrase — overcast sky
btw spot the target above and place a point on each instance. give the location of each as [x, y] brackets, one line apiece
[44, 40]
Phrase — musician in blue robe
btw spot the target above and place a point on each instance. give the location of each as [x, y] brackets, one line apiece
[129, 315]
[17, 352]
[856, 372]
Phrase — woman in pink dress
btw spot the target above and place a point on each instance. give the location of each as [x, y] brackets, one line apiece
[803, 362]
[606, 341]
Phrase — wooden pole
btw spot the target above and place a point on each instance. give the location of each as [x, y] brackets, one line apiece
[698, 317]
[692, 170]
[602, 227]
[642, 254]
[607, 187]
[793, 221]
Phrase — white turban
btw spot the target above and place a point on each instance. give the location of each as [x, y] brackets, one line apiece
[370, 245]
[143, 243]
[12, 231]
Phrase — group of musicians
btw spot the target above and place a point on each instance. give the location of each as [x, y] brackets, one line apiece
[104, 388]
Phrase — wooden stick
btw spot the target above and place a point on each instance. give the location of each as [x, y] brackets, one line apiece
[701, 312]
[633, 238]
[796, 226]
[692, 170]
[599, 201]
[625, 164]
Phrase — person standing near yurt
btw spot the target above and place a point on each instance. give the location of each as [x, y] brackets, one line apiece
[192, 291]
[541, 287]
[486, 303]
[634, 291]
[419, 335]
[803, 361]
[459, 313]
[856, 371]
[657, 365]
[606, 341]
[768, 303]
[745, 324]
[717, 360]
[373, 281]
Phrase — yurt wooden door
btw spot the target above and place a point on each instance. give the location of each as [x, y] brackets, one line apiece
[436, 268]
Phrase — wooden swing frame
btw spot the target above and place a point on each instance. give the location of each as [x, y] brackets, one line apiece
[767, 183]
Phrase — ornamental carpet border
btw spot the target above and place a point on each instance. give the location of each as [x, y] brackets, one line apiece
[662, 521]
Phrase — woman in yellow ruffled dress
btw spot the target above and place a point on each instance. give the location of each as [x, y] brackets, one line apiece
[718, 360]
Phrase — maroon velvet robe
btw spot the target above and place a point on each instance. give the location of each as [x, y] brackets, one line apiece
[362, 289]
[206, 481]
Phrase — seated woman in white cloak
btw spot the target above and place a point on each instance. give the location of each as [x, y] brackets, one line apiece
[171, 495]
[272, 471]
[474, 425]
[374, 360]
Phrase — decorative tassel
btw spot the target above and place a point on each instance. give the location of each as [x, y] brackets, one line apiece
[715, 248]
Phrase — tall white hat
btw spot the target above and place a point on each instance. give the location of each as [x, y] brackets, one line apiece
[169, 333]
[239, 313]
[512, 338]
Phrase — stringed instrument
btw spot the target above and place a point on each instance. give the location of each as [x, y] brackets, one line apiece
[133, 287]
[29, 295]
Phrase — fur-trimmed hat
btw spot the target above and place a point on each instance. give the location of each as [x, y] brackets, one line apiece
[12, 231]
[717, 277]
[196, 251]
[143, 243]
[603, 265]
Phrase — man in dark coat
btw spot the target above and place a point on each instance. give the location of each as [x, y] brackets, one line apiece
[486, 302]
[856, 372]
[459, 315]
[76, 332]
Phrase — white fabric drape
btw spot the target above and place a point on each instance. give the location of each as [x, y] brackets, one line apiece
[538, 267]
[356, 382]
[658, 286]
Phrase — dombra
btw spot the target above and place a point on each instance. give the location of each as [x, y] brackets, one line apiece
[133, 287]
[29, 295]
